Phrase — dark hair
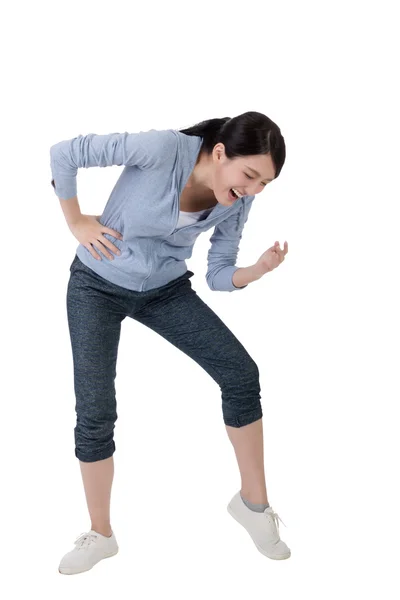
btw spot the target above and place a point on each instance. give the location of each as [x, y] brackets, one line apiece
[248, 134]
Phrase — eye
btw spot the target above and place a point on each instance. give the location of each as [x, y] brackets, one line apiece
[248, 177]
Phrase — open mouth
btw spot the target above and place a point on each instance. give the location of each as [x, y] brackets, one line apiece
[233, 195]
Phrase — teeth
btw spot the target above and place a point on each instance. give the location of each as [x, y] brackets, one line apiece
[236, 192]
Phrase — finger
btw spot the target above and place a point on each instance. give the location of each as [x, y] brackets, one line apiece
[110, 245]
[281, 256]
[115, 234]
[92, 252]
[103, 250]
[286, 247]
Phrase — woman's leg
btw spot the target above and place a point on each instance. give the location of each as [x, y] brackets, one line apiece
[182, 318]
[94, 318]
[248, 444]
[97, 480]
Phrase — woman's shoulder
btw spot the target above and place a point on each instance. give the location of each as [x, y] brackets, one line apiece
[160, 145]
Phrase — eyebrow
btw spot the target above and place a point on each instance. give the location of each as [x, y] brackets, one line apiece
[256, 172]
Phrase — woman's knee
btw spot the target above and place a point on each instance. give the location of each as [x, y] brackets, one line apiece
[241, 395]
[94, 436]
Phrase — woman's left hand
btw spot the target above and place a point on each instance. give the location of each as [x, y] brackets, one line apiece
[272, 258]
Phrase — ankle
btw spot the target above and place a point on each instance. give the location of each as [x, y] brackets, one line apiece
[254, 497]
[103, 530]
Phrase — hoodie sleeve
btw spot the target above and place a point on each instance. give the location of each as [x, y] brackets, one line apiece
[144, 150]
[224, 250]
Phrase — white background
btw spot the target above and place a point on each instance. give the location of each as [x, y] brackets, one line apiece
[323, 327]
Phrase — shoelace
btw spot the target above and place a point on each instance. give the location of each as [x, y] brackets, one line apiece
[85, 539]
[275, 517]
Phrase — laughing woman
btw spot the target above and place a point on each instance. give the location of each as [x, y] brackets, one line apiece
[131, 262]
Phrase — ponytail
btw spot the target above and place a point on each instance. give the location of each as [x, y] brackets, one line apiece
[209, 130]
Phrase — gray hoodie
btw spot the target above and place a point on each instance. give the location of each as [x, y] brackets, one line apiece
[144, 208]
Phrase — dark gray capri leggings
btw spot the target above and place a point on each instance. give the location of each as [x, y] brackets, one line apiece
[96, 309]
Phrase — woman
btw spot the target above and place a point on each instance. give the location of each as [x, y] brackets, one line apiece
[131, 262]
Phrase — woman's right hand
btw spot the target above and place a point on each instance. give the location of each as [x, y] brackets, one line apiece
[88, 230]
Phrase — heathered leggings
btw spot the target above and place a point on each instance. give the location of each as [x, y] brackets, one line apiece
[96, 309]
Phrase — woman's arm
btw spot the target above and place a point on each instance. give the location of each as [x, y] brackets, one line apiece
[222, 256]
[71, 210]
[245, 275]
[144, 150]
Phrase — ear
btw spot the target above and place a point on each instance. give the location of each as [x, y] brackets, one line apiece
[219, 151]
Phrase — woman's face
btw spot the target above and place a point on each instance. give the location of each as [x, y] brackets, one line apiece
[248, 175]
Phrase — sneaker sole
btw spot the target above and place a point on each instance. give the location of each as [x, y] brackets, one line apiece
[70, 571]
[264, 552]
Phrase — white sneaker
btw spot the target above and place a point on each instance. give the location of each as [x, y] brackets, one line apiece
[262, 527]
[89, 549]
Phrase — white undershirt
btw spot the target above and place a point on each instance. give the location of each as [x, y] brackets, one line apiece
[188, 218]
